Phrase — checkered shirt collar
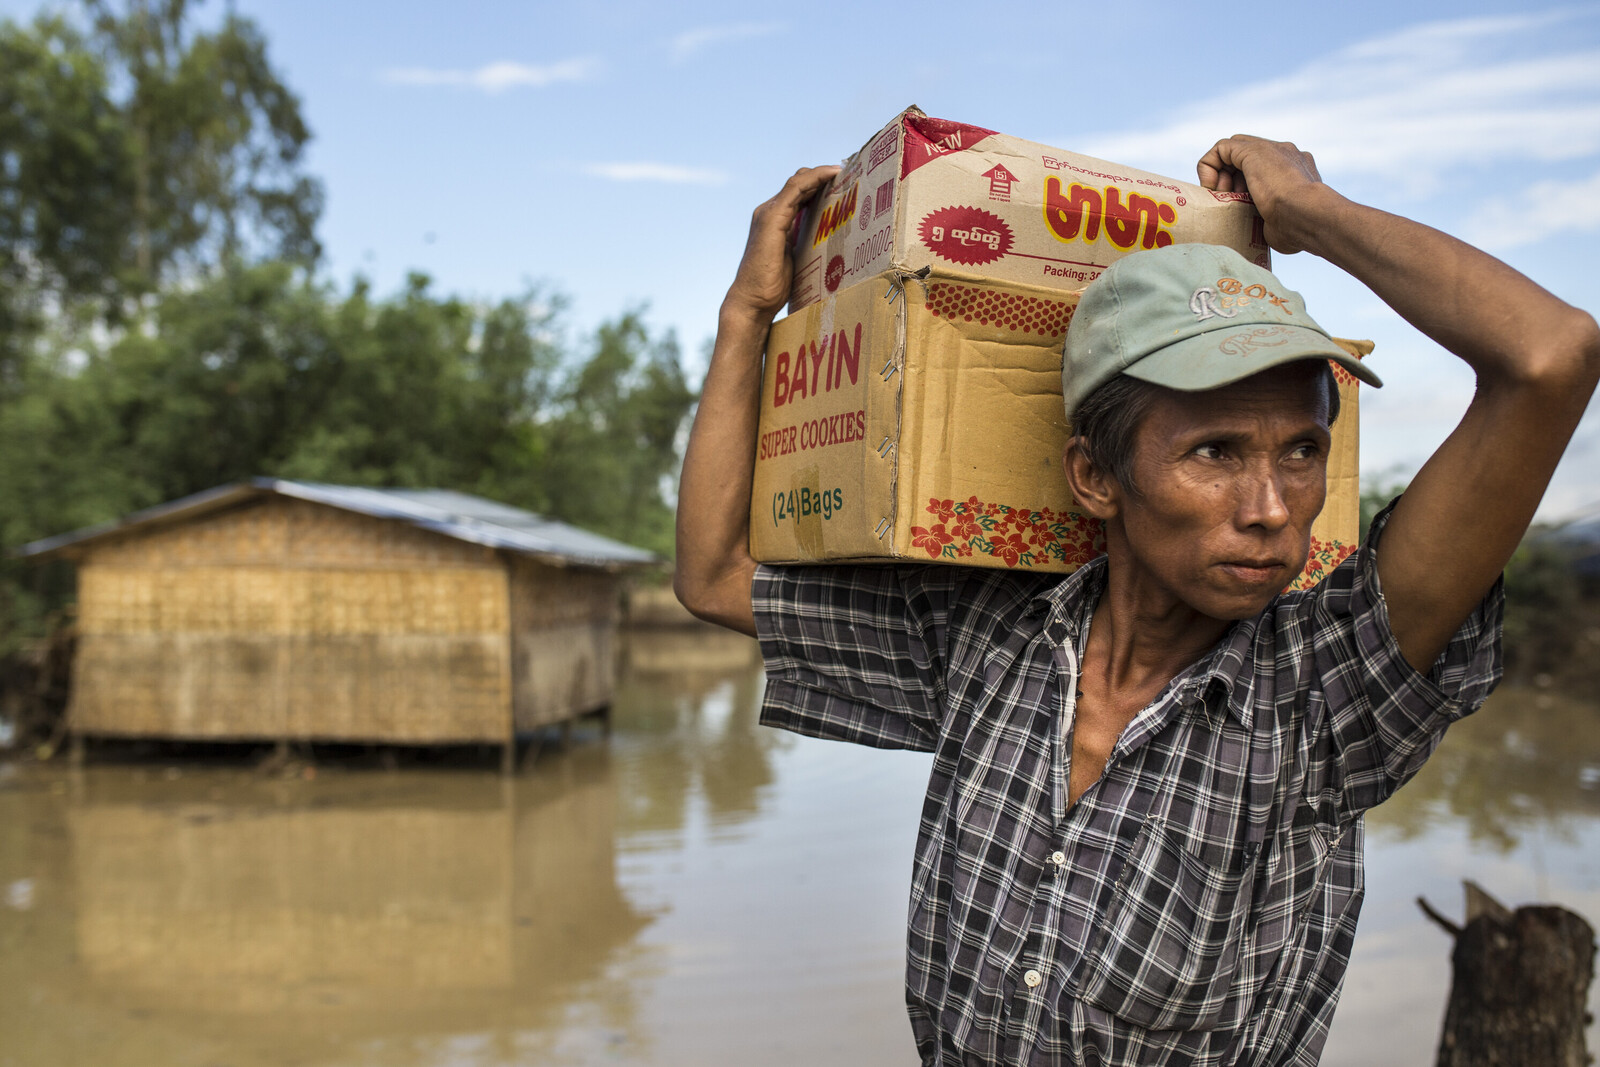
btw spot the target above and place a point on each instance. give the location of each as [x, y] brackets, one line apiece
[1068, 607]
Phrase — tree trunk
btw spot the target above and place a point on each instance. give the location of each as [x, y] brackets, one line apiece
[1520, 985]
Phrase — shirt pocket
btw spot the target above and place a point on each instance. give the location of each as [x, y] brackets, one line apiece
[1168, 947]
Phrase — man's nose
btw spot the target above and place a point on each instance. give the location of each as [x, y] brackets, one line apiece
[1261, 501]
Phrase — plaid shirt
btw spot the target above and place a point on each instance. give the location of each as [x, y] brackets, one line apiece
[1197, 905]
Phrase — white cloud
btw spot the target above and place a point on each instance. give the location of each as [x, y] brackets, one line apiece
[1407, 106]
[687, 43]
[668, 173]
[499, 76]
[1536, 212]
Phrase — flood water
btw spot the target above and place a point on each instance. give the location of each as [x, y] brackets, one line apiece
[695, 889]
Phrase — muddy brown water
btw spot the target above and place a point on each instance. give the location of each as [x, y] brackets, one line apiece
[695, 889]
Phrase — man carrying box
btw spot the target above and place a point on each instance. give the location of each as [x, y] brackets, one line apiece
[1141, 841]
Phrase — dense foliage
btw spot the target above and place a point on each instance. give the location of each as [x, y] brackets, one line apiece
[163, 328]
[1376, 494]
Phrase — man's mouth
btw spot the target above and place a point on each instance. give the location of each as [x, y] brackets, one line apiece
[1254, 571]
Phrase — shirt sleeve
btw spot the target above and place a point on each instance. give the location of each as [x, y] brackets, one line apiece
[1382, 718]
[855, 653]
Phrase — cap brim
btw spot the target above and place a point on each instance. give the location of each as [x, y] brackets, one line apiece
[1230, 354]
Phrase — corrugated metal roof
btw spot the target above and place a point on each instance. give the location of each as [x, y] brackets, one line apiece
[458, 515]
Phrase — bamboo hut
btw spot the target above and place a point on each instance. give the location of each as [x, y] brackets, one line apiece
[279, 610]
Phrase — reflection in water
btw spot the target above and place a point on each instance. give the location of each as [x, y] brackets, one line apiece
[384, 907]
[690, 700]
[1510, 800]
[1528, 759]
[260, 910]
[189, 914]
[677, 894]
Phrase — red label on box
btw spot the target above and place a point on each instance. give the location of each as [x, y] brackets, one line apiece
[966, 235]
[835, 273]
[929, 138]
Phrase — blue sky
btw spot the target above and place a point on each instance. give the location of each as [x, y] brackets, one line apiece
[613, 151]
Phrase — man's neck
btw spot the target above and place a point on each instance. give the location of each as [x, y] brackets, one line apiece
[1142, 635]
[1140, 638]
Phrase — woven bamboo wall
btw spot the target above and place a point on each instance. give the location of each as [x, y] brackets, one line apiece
[564, 650]
[283, 618]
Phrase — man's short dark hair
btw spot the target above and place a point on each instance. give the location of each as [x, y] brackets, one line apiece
[1109, 418]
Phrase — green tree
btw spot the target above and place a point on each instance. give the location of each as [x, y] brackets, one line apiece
[162, 330]
[215, 140]
[65, 184]
[135, 151]
[258, 370]
[613, 448]
[425, 391]
[1376, 493]
[133, 148]
[1543, 607]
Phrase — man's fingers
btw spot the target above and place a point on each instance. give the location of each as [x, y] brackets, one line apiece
[782, 209]
[1217, 168]
[762, 282]
[803, 184]
[1221, 178]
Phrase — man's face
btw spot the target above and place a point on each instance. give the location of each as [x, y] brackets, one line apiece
[1229, 483]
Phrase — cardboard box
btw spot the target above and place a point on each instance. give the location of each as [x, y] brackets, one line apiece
[940, 194]
[920, 419]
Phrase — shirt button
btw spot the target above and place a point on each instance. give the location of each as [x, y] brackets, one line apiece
[1033, 978]
[1058, 858]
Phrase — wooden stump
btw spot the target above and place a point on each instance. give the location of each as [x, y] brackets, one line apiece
[1519, 988]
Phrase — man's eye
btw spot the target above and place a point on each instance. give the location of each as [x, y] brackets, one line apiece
[1209, 451]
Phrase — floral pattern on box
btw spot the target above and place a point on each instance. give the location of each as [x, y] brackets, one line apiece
[1324, 556]
[1017, 537]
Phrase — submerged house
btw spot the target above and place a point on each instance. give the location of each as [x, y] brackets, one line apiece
[281, 610]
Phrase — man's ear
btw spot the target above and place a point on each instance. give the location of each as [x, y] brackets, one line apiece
[1094, 491]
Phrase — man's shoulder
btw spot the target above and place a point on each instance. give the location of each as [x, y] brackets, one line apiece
[911, 575]
[957, 595]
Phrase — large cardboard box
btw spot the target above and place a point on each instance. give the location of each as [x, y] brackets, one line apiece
[909, 418]
[930, 192]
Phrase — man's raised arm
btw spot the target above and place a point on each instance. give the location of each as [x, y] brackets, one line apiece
[1537, 360]
[714, 567]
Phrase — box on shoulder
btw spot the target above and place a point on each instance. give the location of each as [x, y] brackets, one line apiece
[919, 418]
[951, 196]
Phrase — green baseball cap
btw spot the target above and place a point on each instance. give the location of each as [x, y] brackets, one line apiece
[1189, 317]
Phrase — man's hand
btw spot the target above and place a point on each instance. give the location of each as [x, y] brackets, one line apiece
[762, 284]
[714, 567]
[1536, 358]
[1276, 174]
